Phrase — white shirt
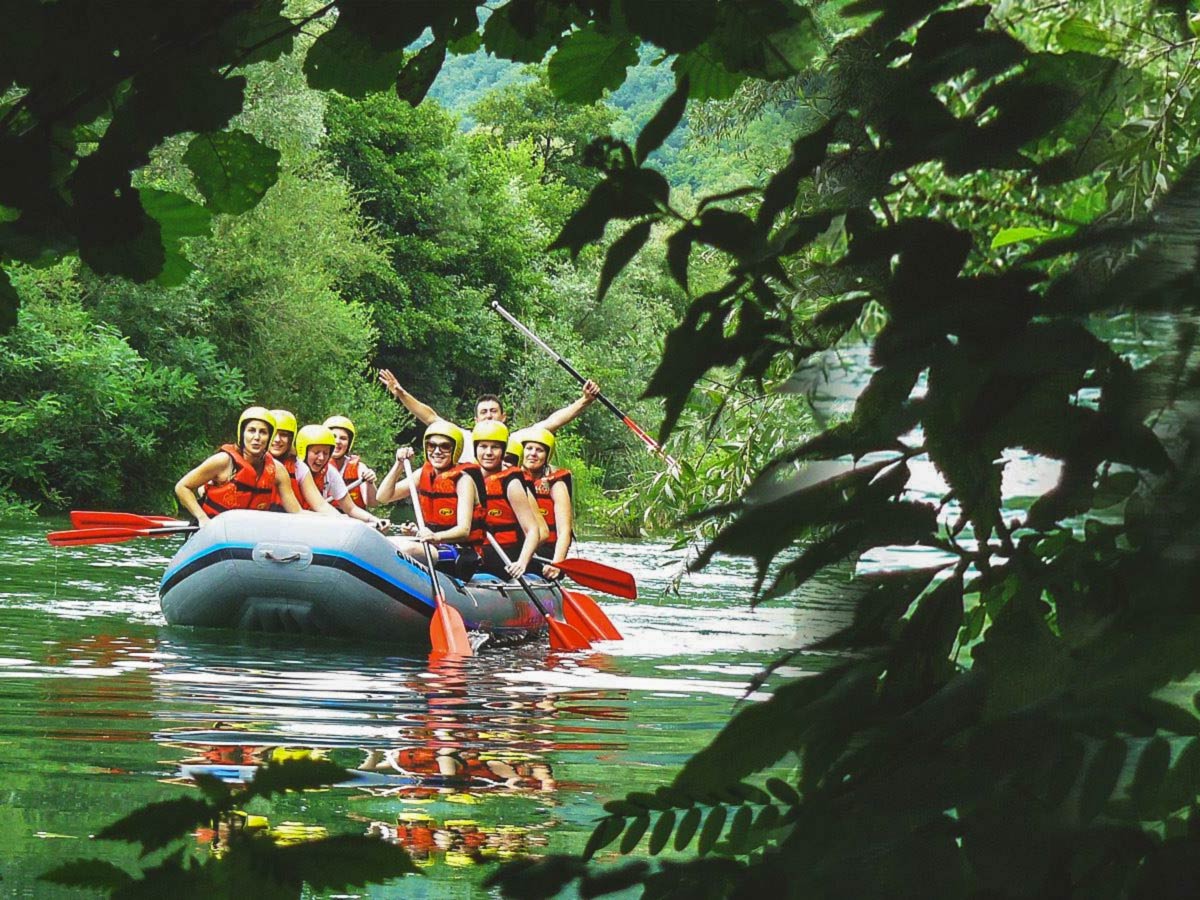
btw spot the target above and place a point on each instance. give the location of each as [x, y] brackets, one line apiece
[335, 485]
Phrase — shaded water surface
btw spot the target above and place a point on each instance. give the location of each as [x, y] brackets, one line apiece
[103, 708]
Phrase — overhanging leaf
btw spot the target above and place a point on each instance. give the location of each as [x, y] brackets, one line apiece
[419, 72]
[231, 169]
[663, 122]
[589, 62]
[343, 59]
[88, 873]
[620, 253]
[294, 775]
[177, 218]
[157, 824]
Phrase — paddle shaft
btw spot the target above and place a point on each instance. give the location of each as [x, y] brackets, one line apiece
[612, 407]
[520, 578]
[439, 596]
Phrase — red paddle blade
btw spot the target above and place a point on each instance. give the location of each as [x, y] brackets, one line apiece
[600, 577]
[78, 537]
[566, 637]
[85, 518]
[585, 614]
[447, 631]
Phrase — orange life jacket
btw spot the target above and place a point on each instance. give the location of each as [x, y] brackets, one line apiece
[542, 486]
[289, 463]
[248, 489]
[438, 495]
[501, 519]
[350, 472]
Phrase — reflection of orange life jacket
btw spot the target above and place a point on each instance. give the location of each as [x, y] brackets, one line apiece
[289, 463]
[438, 493]
[542, 487]
[248, 489]
[350, 472]
[501, 519]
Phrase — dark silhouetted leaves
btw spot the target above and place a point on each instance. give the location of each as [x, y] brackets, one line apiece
[295, 775]
[603, 835]
[633, 833]
[589, 62]
[676, 26]
[661, 833]
[687, 828]
[343, 59]
[1101, 777]
[158, 824]
[415, 79]
[336, 863]
[8, 303]
[620, 253]
[88, 873]
[231, 169]
[714, 824]
[1151, 770]
[525, 30]
[662, 123]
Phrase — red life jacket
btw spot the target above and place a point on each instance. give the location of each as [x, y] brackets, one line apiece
[501, 519]
[542, 487]
[438, 495]
[246, 490]
[289, 463]
[350, 472]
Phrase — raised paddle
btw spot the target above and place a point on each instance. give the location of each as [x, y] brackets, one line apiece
[562, 635]
[112, 535]
[447, 631]
[596, 576]
[633, 426]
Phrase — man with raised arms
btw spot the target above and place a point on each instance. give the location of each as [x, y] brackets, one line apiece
[488, 408]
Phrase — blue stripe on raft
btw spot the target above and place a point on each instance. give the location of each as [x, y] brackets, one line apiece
[336, 554]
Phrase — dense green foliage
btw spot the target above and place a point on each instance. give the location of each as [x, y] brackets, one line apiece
[972, 187]
[251, 863]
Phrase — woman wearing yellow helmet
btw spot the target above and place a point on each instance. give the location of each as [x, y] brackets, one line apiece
[510, 517]
[321, 486]
[448, 491]
[552, 494]
[351, 466]
[239, 476]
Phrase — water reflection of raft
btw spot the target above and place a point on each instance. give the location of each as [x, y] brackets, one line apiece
[321, 575]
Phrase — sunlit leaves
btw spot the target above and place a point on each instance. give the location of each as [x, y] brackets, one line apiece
[588, 62]
[231, 169]
[177, 218]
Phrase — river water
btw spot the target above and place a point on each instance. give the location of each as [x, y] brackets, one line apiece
[103, 708]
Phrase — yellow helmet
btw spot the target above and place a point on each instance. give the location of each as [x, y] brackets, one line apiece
[516, 445]
[449, 430]
[342, 422]
[541, 436]
[490, 430]
[284, 420]
[312, 435]
[259, 413]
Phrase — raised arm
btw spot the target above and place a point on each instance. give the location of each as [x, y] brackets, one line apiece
[423, 412]
[561, 417]
[394, 488]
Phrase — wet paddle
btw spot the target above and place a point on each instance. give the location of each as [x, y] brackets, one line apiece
[447, 631]
[597, 576]
[585, 614]
[633, 426]
[112, 535]
[563, 636]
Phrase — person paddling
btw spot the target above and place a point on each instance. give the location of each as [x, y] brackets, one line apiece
[351, 465]
[509, 516]
[239, 476]
[489, 408]
[552, 494]
[321, 486]
[449, 491]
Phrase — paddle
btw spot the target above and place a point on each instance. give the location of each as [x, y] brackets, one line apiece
[447, 631]
[633, 426]
[585, 614]
[562, 635]
[112, 535]
[596, 576]
[82, 518]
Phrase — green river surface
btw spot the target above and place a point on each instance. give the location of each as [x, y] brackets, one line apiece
[102, 705]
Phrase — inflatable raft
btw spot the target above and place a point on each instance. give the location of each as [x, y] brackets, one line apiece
[331, 576]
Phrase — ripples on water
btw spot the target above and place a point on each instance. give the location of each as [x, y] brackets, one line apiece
[103, 708]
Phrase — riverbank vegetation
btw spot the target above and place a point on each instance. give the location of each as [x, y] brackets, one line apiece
[976, 189]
